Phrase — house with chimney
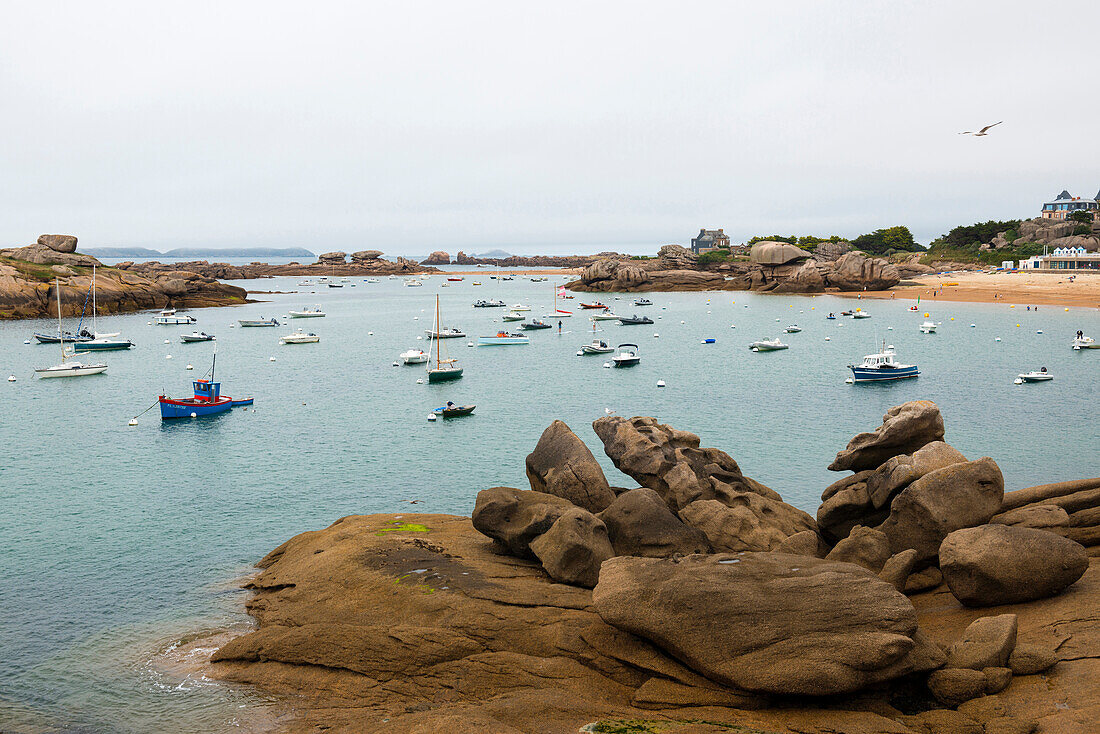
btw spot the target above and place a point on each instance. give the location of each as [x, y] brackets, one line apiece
[1065, 204]
[709, 239]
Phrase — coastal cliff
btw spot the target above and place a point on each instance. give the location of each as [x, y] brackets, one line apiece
[770, 267]
[27, 276]
[922, 598]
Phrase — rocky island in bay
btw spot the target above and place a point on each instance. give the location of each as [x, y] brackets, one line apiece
[922, 598]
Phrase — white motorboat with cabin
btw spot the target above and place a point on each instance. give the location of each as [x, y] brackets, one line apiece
[307, 312]
[258, 322]
[627, 356]
[1040, 375]
[928, 327]
[604, 316]
[597, 346]
[196, 336]
[1084, 342]
[414, 356]
[300, 337]
[173, 319]
[445, 332]
[881, 366]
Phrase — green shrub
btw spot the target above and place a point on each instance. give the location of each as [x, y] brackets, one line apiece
[714, 256]
[1083, 229]
[899, 239]
[1081, 216]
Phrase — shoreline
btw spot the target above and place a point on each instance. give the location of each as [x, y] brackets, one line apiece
[1020, 289]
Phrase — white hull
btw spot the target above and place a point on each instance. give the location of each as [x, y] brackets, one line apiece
[305, 314]
[71, 370]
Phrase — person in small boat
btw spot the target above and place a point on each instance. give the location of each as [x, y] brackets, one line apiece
[1080, 334]
[1043, 370]
[451, 405]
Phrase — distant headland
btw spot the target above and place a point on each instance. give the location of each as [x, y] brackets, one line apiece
[144, 252]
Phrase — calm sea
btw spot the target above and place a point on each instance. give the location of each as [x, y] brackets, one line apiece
[117, 543]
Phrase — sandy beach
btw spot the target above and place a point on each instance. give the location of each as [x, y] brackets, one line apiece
[1035, 289]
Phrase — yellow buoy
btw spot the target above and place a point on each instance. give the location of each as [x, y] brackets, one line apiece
[952, 318]
[1012, 306]
[1067, 309]
[926, 315]
[1017, 326]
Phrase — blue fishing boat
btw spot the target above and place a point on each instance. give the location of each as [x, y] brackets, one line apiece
[207, 400]
[882, 366]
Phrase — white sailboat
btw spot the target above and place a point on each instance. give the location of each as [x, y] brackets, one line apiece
[445, 369]
[67, 368]
[101, 342]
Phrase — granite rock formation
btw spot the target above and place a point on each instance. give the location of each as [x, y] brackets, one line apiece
[437, 258]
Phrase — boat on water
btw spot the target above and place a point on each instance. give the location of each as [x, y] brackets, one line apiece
[535, 325]
[207, 400]
[928, 327]
[100, 342]
[490, 304]
[81, 336]
[604, 316]
[300, 337]
[258, 322]
[450, 410]
[413, 284]
[597, 304]
[831, 317]
[1081, 342]
[196, 336]
[414, 356]
[370, 280]
[1040, 375]
[768, 345]
[502, 338]
[447, 332]
[512, 316]
[174, 319]
[307, 312]
[643, 302]
[597, 346]
[456, 280]
[167, 311]
[68, 367]
[520, 307]
[882, 366]
[559, 313]
[860, 314]
[793, 329]
[334, 284]
[626, 356]
[634, 320]
[444, 370]
[914, 308]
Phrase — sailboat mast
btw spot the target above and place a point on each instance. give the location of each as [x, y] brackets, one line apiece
[437, 362]
[60, 333]
[95, 327]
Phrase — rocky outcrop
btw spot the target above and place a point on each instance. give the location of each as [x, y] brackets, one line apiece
[768, 252]
[675, 257]
[563, 466]
[957, 496]
[776, 624]
[1052, 232]
[332, 258]
[364, 262]
[855, 272]
[40, 254]
[437, 258]
[999, 564]
[365, 256]
[639, 523]
[745, 521]
[831, 251]
[905, 428]
[58, 242]
[515, 517]
[1070, 509]
[574, 548]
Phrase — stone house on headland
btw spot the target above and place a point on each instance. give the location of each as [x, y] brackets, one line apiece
[1065, 204]
[709, 239]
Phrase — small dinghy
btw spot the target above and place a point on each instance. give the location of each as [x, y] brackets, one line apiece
[596, 305]
[643, 302]
[1034, 376]
[196, 336]
[627, 356]
[604, 316]
[635, 320]
[512, 316]
[490, 304]
[447, 332]
[793, 329]
[928, 327]
[597, 346]
[450, 410]
[831, 317]
[860, 314]
[300, 337]
[258, 322]
[535, 324]
[768, 345]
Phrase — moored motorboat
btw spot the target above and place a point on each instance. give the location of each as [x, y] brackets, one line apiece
[446, 332]
[634, 320]
[1081, 342]
[512, 316]
[414, 356]
[604, 316]
[1040, 375]
[450, 410]
[860, 314]
[413, 283]
[597, 346]
[595, 305]
[258, 322]
[928, 327]
[643, 302]
[793, 329]
[307, 312]
[490, 304]
[768, 345]
[535, 324]
[882, 366]
[196, 336]
[207, 400]
[502, 338]
[173, 319]
[300, 337]
[520, 307]
[626, 356]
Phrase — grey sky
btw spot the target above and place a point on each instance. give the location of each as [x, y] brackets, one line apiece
[554, 127]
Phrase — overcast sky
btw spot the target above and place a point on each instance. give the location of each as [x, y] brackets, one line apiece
[552, 127]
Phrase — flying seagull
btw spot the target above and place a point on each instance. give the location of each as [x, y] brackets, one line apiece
[983, 131]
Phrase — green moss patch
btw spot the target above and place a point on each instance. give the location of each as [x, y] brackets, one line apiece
[405, 527]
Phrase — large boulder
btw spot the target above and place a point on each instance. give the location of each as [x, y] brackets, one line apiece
[563, 466]
[365, 256]
[905, 428]
[1001, 564]
[670, 461]
[956, 496]
[515, 517]
[768, 622]
[58, 242]
[609, 275]
[831, 251]
[809, 278]
[768, 252]
[437, 258]
[854, 271]
[676, 257]
[847, 503]
[574, 548]
[639, 523]
[986, 643]
[864, 547]
[746, 521]
[899, 472]
[333, 258]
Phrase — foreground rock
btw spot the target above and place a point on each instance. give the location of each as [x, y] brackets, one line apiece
[998, 564]
[515, 517]
[639, 523]
[1070, 509]
[563, 466]
[574, 548]
[905, 429]
[768, 622]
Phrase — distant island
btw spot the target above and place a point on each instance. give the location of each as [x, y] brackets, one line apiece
[494, 254]
[203, 252]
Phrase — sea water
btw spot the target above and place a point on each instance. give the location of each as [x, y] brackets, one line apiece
[122, 546]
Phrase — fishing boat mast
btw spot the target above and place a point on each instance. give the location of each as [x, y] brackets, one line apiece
[60, 333]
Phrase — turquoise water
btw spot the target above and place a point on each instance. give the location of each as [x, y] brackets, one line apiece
[116, 542]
